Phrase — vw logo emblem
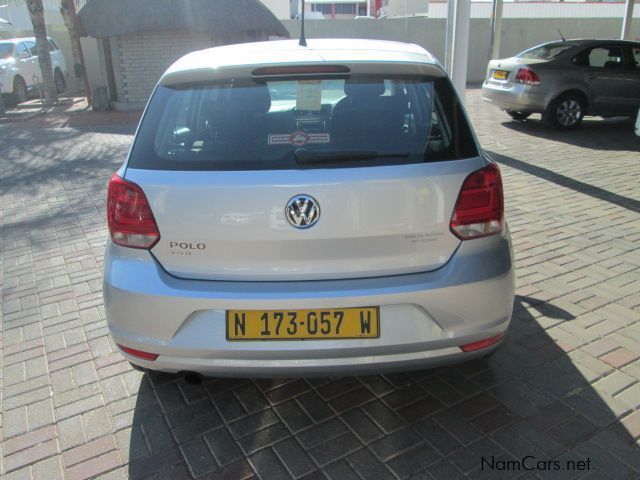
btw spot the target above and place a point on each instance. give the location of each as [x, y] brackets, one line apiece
[302, 211]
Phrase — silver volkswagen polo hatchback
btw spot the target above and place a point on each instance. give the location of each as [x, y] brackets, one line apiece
[296, 210]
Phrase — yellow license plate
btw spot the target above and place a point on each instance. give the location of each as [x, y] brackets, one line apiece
[500, 74]
[317, 324]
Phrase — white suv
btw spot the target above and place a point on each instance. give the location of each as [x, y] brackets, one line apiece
[20, 71]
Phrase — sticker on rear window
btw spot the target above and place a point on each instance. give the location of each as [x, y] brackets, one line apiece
[298, 139]
[309, 95]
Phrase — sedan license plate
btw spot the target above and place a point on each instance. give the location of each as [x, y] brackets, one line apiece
[317, 324]
[500, 74]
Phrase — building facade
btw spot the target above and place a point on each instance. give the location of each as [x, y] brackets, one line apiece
[136, 44]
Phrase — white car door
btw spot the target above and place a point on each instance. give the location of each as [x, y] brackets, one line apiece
[26, 62]
[57, 58]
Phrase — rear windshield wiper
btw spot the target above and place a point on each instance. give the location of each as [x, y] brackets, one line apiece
[305, 156]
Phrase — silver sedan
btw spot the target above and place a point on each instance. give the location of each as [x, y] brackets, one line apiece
[566, 80]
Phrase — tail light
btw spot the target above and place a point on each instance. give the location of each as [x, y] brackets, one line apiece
[527, 76]
[479, 210]
[129, 215]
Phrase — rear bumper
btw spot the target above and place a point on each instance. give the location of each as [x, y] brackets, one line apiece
[424, 318]
[518, 97]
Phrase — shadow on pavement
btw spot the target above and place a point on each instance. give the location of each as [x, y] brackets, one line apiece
[569, 182]
[55, 157]
[529, 405]
[598, 134]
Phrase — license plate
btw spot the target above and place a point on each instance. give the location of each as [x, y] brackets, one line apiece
[500, 74]
[317, 324]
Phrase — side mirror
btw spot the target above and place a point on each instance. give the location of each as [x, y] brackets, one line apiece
[23, 55]
[638, 123]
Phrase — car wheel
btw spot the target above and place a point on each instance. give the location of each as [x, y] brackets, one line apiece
[565, 112]
[20, 92]
[58, 78]
[519, 116]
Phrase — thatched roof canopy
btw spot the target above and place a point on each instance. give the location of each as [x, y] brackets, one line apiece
[111, 18]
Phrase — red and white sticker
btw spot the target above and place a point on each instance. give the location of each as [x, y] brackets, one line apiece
[298, 138]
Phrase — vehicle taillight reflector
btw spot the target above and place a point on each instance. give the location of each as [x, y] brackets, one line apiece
[138, 353]
[480, 344]
[527, 76]
[131, 222]
[479, 210]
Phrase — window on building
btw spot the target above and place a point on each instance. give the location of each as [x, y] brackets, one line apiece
[340, 8]
[346, 8]
[324, 8]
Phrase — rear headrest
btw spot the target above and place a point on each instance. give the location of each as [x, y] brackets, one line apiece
[395, 103]
[250, 99]
[354, 87]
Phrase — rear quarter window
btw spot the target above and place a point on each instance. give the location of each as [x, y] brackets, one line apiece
[242, 124]
[546, 52]
[604, 56]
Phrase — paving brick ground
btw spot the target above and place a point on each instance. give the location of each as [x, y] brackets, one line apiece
[565, 387]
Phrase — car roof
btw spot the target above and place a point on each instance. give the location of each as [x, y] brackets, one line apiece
[588, 41]
[248, 56]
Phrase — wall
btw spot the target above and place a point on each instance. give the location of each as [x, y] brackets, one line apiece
[280, 8]
[140, 59]
[517, 33]
[16, 12]
[482, 8]
[405, 7]
[537, 9]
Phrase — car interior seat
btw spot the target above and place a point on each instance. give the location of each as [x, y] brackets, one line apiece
[365, 115]
[615, 59]
[239, 118]
[613, 64]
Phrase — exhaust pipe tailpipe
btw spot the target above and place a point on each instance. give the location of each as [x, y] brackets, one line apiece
[193, 378]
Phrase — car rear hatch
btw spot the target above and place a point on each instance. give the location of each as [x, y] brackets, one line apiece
[381, 158]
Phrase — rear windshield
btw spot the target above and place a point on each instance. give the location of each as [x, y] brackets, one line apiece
[546, 52]
[295, 124]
